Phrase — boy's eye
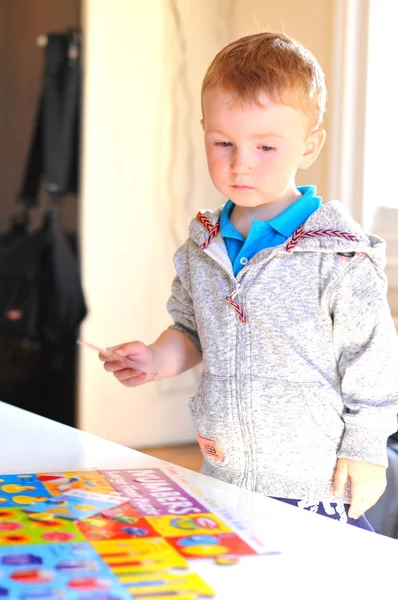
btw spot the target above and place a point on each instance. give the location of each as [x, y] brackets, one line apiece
[267, 148]
[223, 144]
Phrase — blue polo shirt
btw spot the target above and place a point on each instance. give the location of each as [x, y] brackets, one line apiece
[265, 234]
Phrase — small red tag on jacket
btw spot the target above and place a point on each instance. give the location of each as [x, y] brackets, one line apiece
[210, 448]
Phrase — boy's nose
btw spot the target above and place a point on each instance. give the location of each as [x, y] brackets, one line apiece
[240, 164]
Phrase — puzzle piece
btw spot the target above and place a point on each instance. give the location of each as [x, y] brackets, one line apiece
[33, 531]
[133, 555]
[167, 584]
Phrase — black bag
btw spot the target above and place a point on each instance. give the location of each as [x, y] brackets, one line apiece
[42, 306]
[41, 298]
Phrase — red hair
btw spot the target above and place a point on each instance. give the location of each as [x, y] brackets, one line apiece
[273, 63]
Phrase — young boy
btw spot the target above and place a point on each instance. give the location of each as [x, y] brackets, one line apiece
[282, 298]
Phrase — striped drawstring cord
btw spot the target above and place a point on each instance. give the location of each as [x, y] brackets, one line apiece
[212, 229]
[237, 307]
[311, 233]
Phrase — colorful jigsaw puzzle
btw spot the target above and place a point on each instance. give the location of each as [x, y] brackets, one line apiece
[108, 535]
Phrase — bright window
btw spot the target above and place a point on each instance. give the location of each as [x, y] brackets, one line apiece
[381, 146]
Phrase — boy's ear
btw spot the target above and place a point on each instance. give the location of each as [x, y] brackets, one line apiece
[202, 122]
[313, 146]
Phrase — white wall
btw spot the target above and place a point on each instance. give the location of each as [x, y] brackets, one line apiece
[145, 176]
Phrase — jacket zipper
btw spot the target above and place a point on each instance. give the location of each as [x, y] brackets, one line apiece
[249, 478]
[224, 268]
[242, 424]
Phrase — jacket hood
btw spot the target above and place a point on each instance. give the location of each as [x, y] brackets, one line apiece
[329, 229]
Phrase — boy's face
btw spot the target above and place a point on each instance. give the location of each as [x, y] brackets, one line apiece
[253, 152]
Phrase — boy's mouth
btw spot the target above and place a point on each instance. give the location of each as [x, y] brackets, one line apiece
[242, 188]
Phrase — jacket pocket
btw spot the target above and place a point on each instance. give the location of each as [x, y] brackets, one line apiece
[215, 418]
[326, 407]
[295, 419]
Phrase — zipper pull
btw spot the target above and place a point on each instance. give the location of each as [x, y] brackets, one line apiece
[239, 285]
[236, 291]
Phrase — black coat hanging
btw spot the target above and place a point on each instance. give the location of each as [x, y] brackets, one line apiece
[41, 298]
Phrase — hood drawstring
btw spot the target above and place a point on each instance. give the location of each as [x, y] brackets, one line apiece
[238, 308]
[300, 234]
[213, 229]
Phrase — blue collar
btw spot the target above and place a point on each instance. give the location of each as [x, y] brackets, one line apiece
[285, 223]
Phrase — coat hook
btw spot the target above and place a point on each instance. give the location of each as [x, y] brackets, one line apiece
[41, 41]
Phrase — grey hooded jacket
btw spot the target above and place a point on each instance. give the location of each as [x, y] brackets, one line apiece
[300, 354]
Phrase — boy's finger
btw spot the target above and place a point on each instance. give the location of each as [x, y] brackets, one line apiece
[111, 366]
[340, 478]
[130, 380]
[124, 350]
[126, 374]
[358, 505]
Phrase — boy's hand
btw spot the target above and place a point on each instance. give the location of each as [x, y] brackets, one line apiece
[368, 482]
[136, 365]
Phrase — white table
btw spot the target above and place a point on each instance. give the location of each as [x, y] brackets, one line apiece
[320, 558]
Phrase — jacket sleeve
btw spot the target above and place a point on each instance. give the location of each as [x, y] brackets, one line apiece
[366, 347]
[180, 305]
